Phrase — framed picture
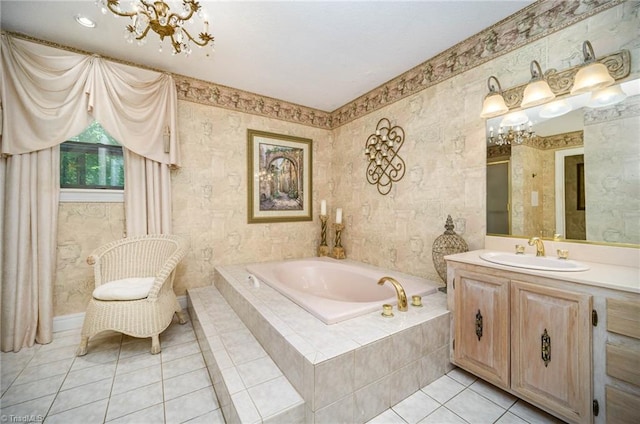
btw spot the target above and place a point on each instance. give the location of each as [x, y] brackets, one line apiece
[279, 177]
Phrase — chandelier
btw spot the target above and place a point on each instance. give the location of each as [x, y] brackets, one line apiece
[157, 16]
[514, 134]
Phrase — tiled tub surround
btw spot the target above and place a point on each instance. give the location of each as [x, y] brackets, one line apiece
[349, 371]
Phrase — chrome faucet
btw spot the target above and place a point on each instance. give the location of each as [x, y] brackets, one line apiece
[537, 241]
[402, 297]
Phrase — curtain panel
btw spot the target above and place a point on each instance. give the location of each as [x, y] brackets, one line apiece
[50, 95]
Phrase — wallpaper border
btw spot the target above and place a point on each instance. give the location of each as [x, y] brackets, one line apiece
[525, 26]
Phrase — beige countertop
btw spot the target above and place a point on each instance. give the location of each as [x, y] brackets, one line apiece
[599, 275]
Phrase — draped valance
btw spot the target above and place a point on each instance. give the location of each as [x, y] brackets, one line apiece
[49, 95]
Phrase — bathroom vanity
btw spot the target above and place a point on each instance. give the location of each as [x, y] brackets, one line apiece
[567, 342]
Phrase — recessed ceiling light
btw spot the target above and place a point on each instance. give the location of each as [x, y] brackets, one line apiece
[84, 21]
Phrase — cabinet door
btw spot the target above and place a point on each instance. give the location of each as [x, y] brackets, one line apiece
[481, 321]
[551, 349]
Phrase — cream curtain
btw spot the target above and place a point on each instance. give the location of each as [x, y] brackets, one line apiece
[147, 191]
[29, 205]
[49, 95]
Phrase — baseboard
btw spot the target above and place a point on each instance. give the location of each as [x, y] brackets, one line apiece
[74, 321]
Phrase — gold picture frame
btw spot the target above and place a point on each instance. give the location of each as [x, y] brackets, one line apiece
[279, 177]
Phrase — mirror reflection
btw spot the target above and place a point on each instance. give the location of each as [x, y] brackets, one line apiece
[577, 175]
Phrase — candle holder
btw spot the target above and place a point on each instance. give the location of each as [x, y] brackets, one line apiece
[338, 250]
[323, 249]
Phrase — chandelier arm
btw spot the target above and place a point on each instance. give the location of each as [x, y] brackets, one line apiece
[203, 36]
[112, 4]
[144, 33]
[193, 7]
[175, 44]
[189, 35]
[148, 5]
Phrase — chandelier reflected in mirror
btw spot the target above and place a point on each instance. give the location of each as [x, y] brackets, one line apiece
[512, 135]
[157, 16]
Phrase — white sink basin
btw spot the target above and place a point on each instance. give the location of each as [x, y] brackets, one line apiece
[544, 263]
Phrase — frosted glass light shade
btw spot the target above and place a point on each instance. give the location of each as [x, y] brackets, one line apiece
[536, 93]
[554, 109]
[591, 77]
[493, 105]
[607, 97]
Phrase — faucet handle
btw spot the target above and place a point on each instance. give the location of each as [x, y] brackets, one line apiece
[557, 237]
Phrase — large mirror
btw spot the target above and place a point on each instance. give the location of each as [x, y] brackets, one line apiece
[577, 175]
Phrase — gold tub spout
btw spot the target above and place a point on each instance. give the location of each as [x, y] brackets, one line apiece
[402, 297]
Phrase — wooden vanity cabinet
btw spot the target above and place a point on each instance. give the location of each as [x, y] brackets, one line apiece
[482, 326]
[526, 337]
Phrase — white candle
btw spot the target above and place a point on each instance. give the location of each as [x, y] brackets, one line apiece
[323, 207]
[339, 216]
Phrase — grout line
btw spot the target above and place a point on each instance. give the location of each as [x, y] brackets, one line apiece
[113, 380]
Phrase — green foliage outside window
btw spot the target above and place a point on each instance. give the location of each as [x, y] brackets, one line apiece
[92, 159]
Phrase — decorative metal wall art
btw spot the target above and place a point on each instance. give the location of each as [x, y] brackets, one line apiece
[385, 166]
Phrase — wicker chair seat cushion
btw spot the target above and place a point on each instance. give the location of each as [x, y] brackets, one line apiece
[126, 289]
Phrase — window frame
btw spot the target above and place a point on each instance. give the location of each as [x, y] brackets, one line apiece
[93, 193]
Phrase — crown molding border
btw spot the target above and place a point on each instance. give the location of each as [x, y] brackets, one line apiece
[536, 21]
[557, 141]
[523, 27]
[210, 94]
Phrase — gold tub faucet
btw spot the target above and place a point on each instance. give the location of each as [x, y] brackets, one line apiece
[537, 241]
[402, 297]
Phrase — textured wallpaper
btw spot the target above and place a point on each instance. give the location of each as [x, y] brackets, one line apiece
[444, 154]
[612, 159]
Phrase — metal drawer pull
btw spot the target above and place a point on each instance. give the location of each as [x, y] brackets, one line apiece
[479, 325]
[546, 347]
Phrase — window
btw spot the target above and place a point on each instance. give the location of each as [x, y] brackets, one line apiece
[91, 167]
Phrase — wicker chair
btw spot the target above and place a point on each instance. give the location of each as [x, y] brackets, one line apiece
[144, 256]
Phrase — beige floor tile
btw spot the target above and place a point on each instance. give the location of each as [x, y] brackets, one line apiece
[88, 413]
[134, 400]
[190, 406]
[474, 408]
[81, 395]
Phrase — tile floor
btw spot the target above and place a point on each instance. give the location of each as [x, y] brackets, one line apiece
[118, 381]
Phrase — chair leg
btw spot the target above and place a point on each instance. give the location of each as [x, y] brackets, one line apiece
[82, 349]
[182, 319]
[155, 344]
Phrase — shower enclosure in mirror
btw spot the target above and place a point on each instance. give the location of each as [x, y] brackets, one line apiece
[577, 175]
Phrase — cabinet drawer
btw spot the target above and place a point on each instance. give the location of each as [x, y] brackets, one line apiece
[622, 407]
[623, 317]
[622, 363]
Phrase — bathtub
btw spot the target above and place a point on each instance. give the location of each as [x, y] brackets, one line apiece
[334, 290]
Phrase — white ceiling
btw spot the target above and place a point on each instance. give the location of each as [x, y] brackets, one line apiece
[320, 54]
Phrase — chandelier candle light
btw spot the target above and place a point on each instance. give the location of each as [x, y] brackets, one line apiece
[323, 249]
[157, 16]
[338, 250]
[517, 135]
